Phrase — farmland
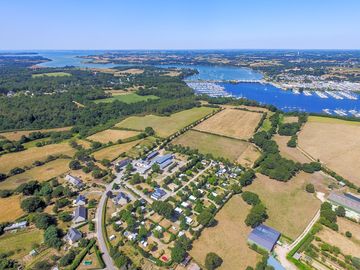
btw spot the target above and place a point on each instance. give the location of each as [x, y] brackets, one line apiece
[289, 152]
[249, 156]
[114, 151]
[41, 173]
[112, 135]
[10, 209]
[216, 145]
[51, 74]
[290, 207]
[234, 123]
[127, 98]
[16, 135]
[335, 142]
[165, 125]
[21, 243]
[27, 157]
[228, 238]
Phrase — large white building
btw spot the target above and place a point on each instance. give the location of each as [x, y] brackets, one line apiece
[349, 201]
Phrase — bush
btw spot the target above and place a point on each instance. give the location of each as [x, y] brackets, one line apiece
[44, 220]
[348, 234]
[212, 261]
[310, 188]
[250, 198]
[32, 204]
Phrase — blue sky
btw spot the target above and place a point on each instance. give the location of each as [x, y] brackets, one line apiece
[179, 24]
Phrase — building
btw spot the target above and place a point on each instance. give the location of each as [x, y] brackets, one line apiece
[121, 164]
[158, 194]
[80, 214]
[16, 226]
[121, 199]
[80, 200]
[274, 263]
[73, 235]
[349, 201]
[164, 161]
[151, 155]
[193, 266]
[264, 237]
[75, 181]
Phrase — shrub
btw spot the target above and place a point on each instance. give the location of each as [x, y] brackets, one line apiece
[212, 261]
[310, 188]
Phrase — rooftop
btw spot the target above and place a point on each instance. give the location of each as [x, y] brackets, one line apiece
[347, 200]
[264, 236]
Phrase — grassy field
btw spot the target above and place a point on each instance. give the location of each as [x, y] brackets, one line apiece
[27, 157]
[228, 238]
[290, 207]
[41, 173]
[10, 209]
[232, 123]
[166, 125]
[289, 152]
[16, 135]
[112, 152]
[145, 144]
[249, 156]
[335, 142]
[112, 135]
[21, 242]
[216, 145]
[127, 98]
[290, 119]
[51, 74]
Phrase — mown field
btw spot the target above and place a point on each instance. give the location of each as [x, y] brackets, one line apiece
[232, 123]
[112, 135]
[165, 125]
[249, 156]
[114, 151]
[228, 238]
[289, 206]
[127, 98]
[216, 145]
[51, 74]
[289, 152]
[21, 243]
[41, 173]
[16, 135]
[335, 142]
[27, 157]
[10, 209]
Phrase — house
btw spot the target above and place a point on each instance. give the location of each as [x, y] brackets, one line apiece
[75, 181]
[186, 261]
[349, 201]
[80, 214]
[80, 200]
[185, 204]
[109, 194]
[16, 226]
[151, 155]
[189, 220]
[274, 263]
[121, 199]
[164, 161]
[158, 194]
[121, 164]
[178, 210]
[73, 235]
[264, 237]
[192, 198]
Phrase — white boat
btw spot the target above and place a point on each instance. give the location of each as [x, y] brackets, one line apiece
[331, 93]
[327, 111]
[321, 94]
[307, 93]
[340, 112]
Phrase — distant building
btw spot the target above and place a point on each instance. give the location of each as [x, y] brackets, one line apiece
[164, 161]
[349, 201]
[274, 263]
[121, 164]
[151, 155]
[16, 226]
[73, 235]
[264, 237]
[158, 194]
[75, 181]
[80, 214]
[121, 199]
[80, 200]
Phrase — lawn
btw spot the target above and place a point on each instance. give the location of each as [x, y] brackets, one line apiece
[51, 74]
[335, 142]
[16, 135]
[27, 157]
[216, 145]
[114, 151]
[10, 209]
[41, 173]
[112, 135]
[20, 242]
[290, 207]
[165, 125]
[228, 238]
[234, 123]
[127, 98]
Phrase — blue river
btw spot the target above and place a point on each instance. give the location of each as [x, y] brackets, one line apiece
[263, 93]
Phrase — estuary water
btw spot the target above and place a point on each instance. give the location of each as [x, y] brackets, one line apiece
[263, 93]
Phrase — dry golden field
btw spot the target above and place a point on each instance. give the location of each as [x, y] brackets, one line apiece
[289, 206]
[10, 209]
[27, 157]
[165, 125]
[112, 135]
[213, 144]
[249, 156]
[41, 173]
[291, 119]
[114, 151]
[289, 152]
[336, 143]
[234, 123]
[228, 238]
[16, 135]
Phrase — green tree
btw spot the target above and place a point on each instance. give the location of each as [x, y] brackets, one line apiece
[52, 237]
[212, 261]
[205, 218]
[44, 220]
[310, 188]
[256, 216]
[250, 198]
[32, 204]
[155, 168]
[75, 165]
[340, 211]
